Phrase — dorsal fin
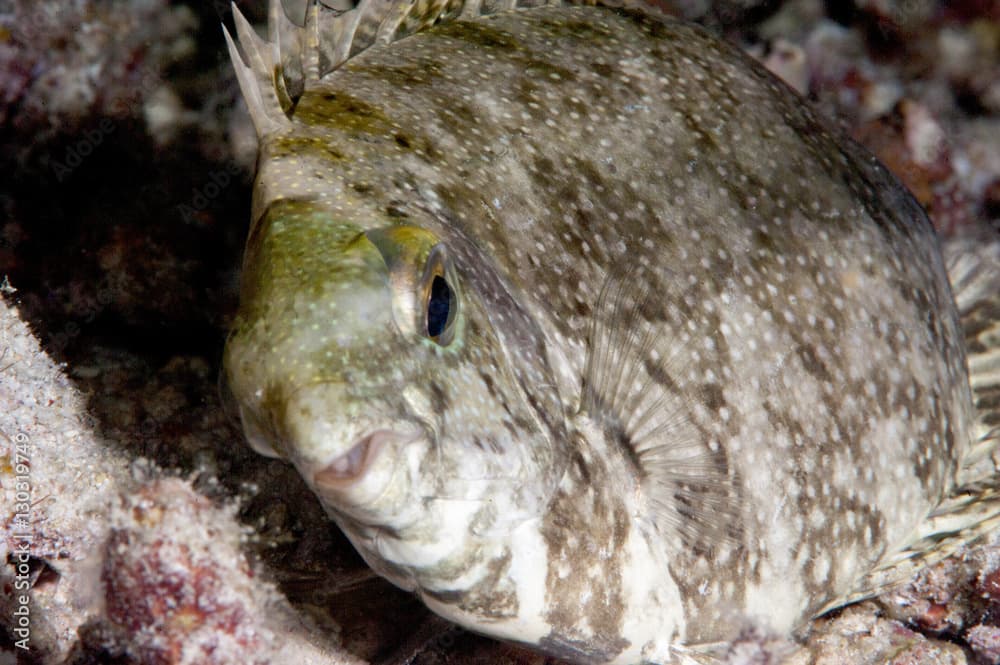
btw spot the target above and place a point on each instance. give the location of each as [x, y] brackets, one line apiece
[272, 73]
[636, 352]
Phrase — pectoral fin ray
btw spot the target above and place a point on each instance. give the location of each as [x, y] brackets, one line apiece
[634, 388]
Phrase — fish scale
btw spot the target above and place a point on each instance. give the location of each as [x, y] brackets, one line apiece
[587, 330]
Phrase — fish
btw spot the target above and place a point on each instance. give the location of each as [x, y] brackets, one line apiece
[591, 333]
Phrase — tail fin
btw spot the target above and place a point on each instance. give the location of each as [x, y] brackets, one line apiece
[973, 262]
[971, 510]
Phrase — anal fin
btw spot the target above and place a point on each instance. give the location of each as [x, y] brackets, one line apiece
[965, 518]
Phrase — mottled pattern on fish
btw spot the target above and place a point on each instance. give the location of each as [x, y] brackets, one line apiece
[706, 367]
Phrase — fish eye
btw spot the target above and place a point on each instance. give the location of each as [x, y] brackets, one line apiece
[440, 302]
[438, 306]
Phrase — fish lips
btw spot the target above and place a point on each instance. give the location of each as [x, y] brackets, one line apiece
[361, 474]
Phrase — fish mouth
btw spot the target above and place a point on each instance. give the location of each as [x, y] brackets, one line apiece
[347, 469]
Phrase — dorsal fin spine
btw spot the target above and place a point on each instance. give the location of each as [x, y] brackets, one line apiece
[471, 9]
[256, 74]
[390, 24]
[337, 37]
[272, 73]
[310, 56]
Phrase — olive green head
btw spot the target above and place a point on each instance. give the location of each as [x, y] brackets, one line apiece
[366, 357]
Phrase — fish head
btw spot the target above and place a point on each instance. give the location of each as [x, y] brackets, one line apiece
[367, 357]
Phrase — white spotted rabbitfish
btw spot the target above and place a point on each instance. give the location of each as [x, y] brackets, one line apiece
[588, 331]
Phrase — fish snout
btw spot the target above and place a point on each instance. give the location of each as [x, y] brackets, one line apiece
[346, 469]
[346, 458]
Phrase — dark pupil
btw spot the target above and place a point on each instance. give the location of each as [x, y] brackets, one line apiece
[438, 306]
